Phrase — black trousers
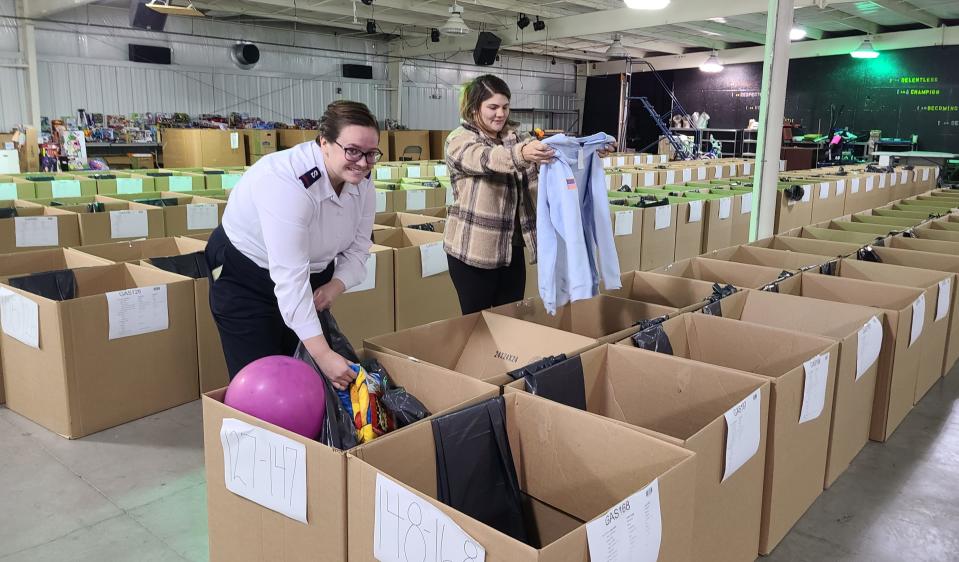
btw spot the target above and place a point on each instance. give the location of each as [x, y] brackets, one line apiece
[479, 289]
[244, 306]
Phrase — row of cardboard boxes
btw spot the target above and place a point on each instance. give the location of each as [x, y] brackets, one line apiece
[130, 182]
[87, 344]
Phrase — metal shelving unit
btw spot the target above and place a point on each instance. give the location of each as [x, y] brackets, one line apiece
[706, 145]
[549, 118]
[750, 140]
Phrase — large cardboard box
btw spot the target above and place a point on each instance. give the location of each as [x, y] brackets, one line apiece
[923, 245]
[807, 246]
[898, 360]
[172, 180]
[409, 146]
[792, 214]
[937, 314]
[186, 148]
[259, 142]
[438, 144]
[664, 290]
[191, 215]
[118, 219]
[369, 309]
[766, 257]
[12, 188]
[242, 530]
[62, 185]
[718, 229]
[799, 413]
[850, 325]
[220, 179]
[288, 138]
[687, 403]
[819, 233]
[654, 476]
[658, 238]
[36, 227]
[482, 345]
[124, 348]
[424, 290]
[727, 272]
[603, 318]
[410, 220]
[690, 226]
[828, 203]
[627, 236]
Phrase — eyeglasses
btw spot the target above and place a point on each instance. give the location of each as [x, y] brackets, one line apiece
[355, 154]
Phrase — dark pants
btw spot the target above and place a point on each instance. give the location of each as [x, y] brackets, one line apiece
[479, 289]
[244, 306]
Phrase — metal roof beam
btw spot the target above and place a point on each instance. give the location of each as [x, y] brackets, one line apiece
[725, 31]
[910, 11]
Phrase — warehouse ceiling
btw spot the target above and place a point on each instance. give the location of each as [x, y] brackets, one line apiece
[575, 29]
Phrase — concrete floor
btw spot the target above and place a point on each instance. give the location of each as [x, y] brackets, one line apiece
[137, 493]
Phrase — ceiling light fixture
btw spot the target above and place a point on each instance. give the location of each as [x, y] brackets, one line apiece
[539, 25]
[712, 64]
[164, 7]
[797, 33]
[616, 49]
[646, 4]
[865, 51]
[718, 20]
[523, 21]
[455, 24]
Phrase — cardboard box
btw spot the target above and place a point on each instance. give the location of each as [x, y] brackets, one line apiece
[419, 170]
[192, 215]
[62, 185]
[221, 179]
[927, 232]
[832, 235]
[408, 146]
[418, 199]
[727, 272]
[793, 214]
[796, 452]
[718, 229]
[855, 385]
[407, 220]
[259, 142]
[288, 138]
[242, 530]
[387, 171]
[12, 188]
[924, 245]
[421, 295]
[898, 360]
[481, 345]
[555, 509]
[827, 203]
[690, 227]
[786, 261]
[685, 403]
[369, 309]
[603, 318]
[114, 183]
[807, 246]
[627, 236]
[86, 381]
[119, 220]
[658, 239]
[438, 144]
[185, 148]
[664, 290]
[171, 180]
[36, 227]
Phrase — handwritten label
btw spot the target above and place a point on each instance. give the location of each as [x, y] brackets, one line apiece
[229, 181]
[129, 186]
[20, 318]
[8, 190]
[380, 201]
[823, 191]
[201, 216]
[133, 312]
[129, 224]
[623, 223]
[663, 217]
[416, 200]
[725, 207]
[746, 205]
[180, 184]
[34, 232]
[868, 346]
[695, 211]
[65, 188]
[945, 299]
[841, 187]
[742, 432]
[814, 388]
[384, 174]
[632, 531]
[433, 259]
[918, 318]
[264, 467]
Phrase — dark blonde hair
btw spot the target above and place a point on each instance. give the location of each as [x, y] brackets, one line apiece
[341, 114]
[478, 90]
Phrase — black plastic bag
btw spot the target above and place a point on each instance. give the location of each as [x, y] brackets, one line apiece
[335, 337]
[96, 207]
[40, 178]
[159, 174]
[713, 306]
[8, 212]
[774, 286]
[400, 404]
[59, 285]
[868, 254]
[624, 189]
[714, 309]
[562, 382]
[213, 172]
[103, 176]
[648, 201]
[165, 202]
[653, 338]
[338, 430]
[475, 473]
[909, 233]
[427, 227]
[536, 366]
[191, 265]
[829, 268]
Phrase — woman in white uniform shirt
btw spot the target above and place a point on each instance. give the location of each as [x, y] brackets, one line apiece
[292, 216]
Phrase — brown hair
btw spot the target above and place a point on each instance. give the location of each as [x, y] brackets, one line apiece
[340, 114]
[478, 90]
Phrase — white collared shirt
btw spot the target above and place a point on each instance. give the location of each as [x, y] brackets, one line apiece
[294, 230]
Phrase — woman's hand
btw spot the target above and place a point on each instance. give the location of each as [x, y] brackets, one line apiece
[537, 152]
[607, 150]
[324, 296]
[333, 366]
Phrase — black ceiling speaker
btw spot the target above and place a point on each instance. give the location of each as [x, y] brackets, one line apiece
[487, 46]
[150, 54]
[245, 55]
[142, 17]
[361, 71]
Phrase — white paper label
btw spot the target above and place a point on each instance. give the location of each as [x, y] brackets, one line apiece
[65, 188]
[840, 187]
[33, 232]
[869, 184]
[882, 180]
[133, 312]
[20, 318]
[128, 186]
[695, 211]
[264, 467]
[609, 182]
[449, 196]
[687, 174]
[415, 200]
[380, 201]
[129, 224]
[918, 318]
[649, 178]
[624, 223]
[747, 169]
[782, 165]
[732, 170]
[442, 171]
[725, 207]
[824, 191]
[433, 259]
[869, 346]
[854, 183]
[8, 191]
[620, 161]
[893, 179]
[806, 193]
[406, 527]
[384, 174]
[370, 281]
[631, 531]
[414, 172]
[180, 184]
[944, 300]
[201, 216]
[670, 177]
[663, 217]
[608, 162]
[742, 432]
[234, 141]
[905, 177]
[719, 171]
[229, 181]
[925, 174]
[701, 173]
[814, 387]
[746, 206]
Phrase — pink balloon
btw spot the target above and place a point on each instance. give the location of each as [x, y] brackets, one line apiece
[283, 391]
